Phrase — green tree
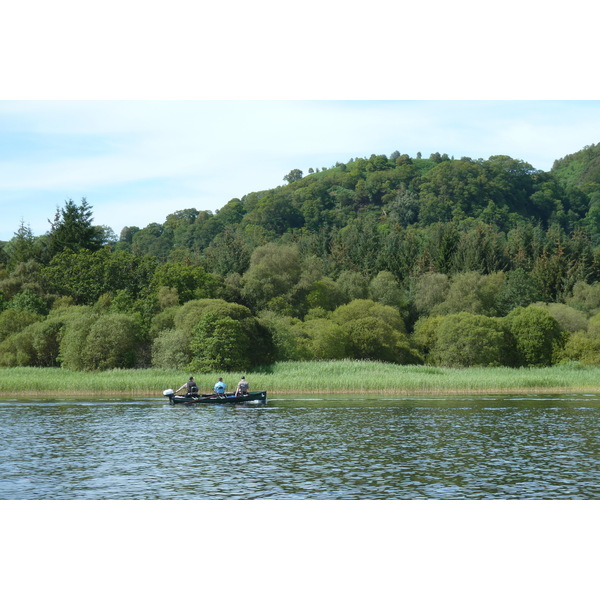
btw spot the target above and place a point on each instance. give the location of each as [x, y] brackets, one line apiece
[28, 301]
[22, 247]
[274, 271]
[360, 309]
[286, 334]
[429, 290]
[370, 338]
[12, 321]
[220, 343]
[452, 188]
[353, 285]
[473, 293]
[537, 334]
[35, 346]
[293, 175]
[85, 276]
[78, 322]
[425, 333]
[72, 229]
[581, 347]
[324, 340]
[325, 293]
[519, 289]
[384, 289]
[569, 318]
[171, 350]
[229, 252]
[189, 282]
[468, 340]
[114, 341]
[585, 297]
[153, 240]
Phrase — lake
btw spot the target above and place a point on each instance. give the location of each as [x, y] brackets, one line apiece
[321, 449]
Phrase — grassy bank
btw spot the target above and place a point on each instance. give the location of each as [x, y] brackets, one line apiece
[327, 377]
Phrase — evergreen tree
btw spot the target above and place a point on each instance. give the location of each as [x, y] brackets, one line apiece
[72, 229]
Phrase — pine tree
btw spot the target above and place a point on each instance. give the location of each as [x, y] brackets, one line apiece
[72, 229]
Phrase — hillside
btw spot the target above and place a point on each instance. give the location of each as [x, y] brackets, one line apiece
[580, 170]
[401, 259]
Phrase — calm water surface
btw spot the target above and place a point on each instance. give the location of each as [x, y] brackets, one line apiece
[415, 448]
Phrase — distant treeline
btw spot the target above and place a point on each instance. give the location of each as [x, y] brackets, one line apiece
[443, 261]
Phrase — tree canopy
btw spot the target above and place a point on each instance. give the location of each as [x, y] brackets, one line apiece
[402, 259]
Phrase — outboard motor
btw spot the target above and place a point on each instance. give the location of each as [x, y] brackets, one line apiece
[169, 394]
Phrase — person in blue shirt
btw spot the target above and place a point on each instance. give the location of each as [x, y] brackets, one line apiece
[220, 387]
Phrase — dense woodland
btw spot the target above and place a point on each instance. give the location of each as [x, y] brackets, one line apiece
[442, 261]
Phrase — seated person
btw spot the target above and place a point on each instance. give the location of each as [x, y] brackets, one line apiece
[191, 387]
[220, 387]
[243, 387]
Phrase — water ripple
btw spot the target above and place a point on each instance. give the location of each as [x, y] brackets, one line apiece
[469, 448]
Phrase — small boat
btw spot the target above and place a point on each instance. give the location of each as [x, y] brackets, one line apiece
[215, 398]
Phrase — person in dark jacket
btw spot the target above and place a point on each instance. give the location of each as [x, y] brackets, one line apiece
[191, 387]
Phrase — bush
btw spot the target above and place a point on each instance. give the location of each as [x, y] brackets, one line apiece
[537, 334]
[359, 309]
[12, 321]
[114, 341]
[371, 338]
[78, 322]
[220, 343]
[324, 339]
[581, 347]
[28, 301]
[467, 340]
[285, 333]
[171, 350]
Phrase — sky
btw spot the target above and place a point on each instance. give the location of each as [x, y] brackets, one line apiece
[146, 108]
[137, 161]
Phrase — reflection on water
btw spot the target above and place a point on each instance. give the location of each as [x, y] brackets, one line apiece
[459, 448]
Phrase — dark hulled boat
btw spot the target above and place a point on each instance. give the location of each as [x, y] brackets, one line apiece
[215, 398]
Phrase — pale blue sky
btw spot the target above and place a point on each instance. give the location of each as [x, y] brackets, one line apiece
[148, 108]
[138, 161]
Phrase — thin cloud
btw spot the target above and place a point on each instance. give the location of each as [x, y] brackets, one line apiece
[148, 156]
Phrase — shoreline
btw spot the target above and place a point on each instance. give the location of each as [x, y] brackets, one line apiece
[316, 378]
[306, 393]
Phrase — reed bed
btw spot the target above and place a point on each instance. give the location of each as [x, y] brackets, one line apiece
[316, 377]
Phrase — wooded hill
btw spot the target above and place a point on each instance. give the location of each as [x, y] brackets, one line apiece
[404, 259]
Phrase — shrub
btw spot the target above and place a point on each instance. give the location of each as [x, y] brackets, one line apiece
[113, 342]
[220, 343]
[28, 301]
[324, 339]
[372, 338]
[467, 340]
[285, 333]
[171, 350]
[12, 321]
[358, 309]
[581, 347]
[537, 334]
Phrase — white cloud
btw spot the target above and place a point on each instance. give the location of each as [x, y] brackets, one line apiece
[205, 153]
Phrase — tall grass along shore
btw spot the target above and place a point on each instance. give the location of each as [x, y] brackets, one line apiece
[317, 377]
